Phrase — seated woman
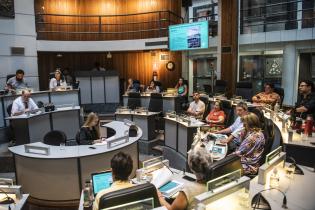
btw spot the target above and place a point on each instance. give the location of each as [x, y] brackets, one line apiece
[121, 165]
[182, 88]
[153, 88]
[199, 160]
[268, 96]
[252, 146]
[216, 117]
[56, 81]
[89, 133]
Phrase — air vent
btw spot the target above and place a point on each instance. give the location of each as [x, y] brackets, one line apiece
[17, 51]
[150, 44]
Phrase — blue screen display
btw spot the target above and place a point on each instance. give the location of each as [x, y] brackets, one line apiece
[189, 36]
[101, 181]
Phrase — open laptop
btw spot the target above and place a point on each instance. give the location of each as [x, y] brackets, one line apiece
[101, 181]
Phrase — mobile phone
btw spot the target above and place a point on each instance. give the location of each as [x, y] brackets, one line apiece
[92, 147]
[189, 178]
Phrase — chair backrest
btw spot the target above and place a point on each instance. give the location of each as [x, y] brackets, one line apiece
[159, 84]
[9, 109]
[156, 102]
[269, 138]
[229, 112]
[134, 100]
[55, 138]
[207, 88]
[260, 116]
[244, 89]
[220, 86]
[10, 76]
[226, 165]
[128, 195]
[280, 91]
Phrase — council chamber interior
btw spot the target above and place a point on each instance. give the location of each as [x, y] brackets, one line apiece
[157, 104]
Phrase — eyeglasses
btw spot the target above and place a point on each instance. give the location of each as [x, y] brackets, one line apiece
[303, 85]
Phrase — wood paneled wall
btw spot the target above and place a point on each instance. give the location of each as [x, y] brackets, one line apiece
[104, 7]
[229, 43]
[138, 65]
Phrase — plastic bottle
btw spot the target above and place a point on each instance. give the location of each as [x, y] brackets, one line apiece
[274, 178]
[87, 194]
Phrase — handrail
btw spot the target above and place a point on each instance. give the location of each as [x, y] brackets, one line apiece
[131, 14]
[104, 25]
[269, 5]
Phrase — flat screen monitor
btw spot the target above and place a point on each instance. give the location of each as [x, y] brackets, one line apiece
[189, 36]
[101, 181]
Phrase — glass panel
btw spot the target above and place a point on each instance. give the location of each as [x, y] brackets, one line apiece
[145, 204]
[152, 161]
[273, 154]
[223, 180]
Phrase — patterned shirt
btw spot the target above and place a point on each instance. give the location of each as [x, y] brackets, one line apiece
[267, 98]
[251, 150]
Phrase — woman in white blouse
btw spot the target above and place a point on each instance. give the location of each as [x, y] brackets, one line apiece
[57, 81]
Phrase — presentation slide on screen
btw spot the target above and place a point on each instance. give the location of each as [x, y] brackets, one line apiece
[189, 36]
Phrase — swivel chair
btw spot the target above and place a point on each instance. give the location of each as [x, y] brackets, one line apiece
[128, 195]
[134, 100]
[226, 165]
[244, 89]
[55, 137]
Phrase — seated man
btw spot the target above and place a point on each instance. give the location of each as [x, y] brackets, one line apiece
[234, 139]
[306, 101]
[23, 104]
[197, 107]
[268, 96]
[133, 86]
[121, 165]
[199, 160]
[17, 82]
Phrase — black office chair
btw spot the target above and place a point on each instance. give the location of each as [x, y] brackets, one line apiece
[260, 116]
[207, 88]
[156, 102]
[159, 84]
[10, 76]
[9, 109]
[228, 111]
[134, 100]
[220, 86]
[226, 165]
[269, 138]
[207, 111]
[128, 195]
[244, 89]
[280, 91]
[55, 137]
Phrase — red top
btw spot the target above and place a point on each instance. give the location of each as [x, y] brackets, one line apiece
[214, 115]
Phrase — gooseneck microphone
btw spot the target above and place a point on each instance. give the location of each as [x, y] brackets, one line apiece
[260, 202]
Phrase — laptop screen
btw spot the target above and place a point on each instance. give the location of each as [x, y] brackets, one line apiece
[101, 181]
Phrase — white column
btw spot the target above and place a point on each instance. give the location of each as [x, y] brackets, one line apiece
[190, 76]
[219, 40]
[289, 74]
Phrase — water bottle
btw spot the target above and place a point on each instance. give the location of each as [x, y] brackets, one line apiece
[87, 194]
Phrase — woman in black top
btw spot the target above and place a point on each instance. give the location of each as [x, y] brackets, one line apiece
[89, 133]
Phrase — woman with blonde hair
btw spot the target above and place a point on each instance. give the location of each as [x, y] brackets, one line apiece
[252, 146]
[89, 132]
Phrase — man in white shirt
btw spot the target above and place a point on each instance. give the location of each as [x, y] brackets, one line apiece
[197, 107]
[23, 104]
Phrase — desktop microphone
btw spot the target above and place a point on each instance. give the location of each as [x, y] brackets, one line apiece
[297, 170]
[260, 202]
[7, 200]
